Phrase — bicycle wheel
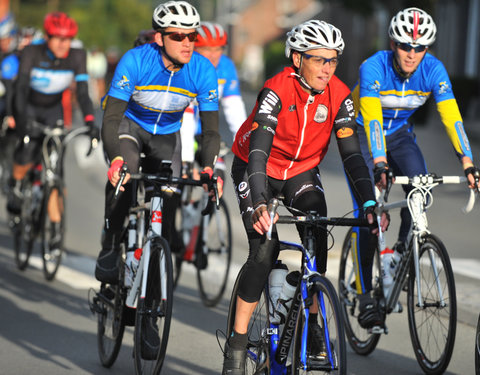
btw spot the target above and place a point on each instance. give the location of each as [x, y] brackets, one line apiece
[53, 233]
[258, 354]
[360, 340]
[109, 306]
[477, 348]
[154, 312]
[24, 228]
[214, 254]
[334, 360]
[432, 326]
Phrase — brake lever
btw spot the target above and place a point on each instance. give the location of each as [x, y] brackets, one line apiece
[272, 210]
[123, 174]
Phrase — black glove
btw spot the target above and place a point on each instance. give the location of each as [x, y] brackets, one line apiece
[474, 171]
[379, 169]
[94, 132]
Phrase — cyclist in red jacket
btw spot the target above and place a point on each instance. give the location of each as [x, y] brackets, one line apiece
[278, 150]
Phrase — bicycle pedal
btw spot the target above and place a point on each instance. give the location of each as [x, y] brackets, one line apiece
[376, 330]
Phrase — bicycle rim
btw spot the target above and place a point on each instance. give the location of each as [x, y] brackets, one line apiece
[433, 326]
[52, 244]
[24, 229]
[477, 348]
[213, 268]
[154, 312]
[257, 359]
[360, 340]
[110, 327]
[331, 321]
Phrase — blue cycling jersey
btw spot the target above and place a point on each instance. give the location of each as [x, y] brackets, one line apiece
[227, 77]
[400, 97]
[156, 96]
[9, 68]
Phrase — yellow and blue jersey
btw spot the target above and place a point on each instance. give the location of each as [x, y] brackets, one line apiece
[156, 96]
[384, 100]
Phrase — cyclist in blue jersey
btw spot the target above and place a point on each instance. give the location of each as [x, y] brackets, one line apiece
[152, 86]
[392, 85]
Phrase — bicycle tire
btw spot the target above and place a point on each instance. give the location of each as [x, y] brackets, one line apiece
[110, 323]
[52, 248]
[477, 348]
[24, 228]
[154, 312]
[432, 338]
[258, 353]
[335, 362]
[359, 339]
[213, 268]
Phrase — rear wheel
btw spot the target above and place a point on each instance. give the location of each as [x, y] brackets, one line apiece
[257, 359]
[24, 227]
[53, 232]
[110, 310]
[214, 254]
[360, 340]
[154, 311]
[333, 360]
[432, 325]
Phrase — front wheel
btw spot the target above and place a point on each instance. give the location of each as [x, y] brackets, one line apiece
[214, 254]
[432, 307]
[332, 358]
[154, 311]
[53, 230]
[477, 348]
[360, 340]
[257, 359]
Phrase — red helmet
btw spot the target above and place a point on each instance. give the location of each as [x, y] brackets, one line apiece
[59, 24]
[211, 35]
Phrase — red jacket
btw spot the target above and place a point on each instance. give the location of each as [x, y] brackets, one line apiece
[303, 131]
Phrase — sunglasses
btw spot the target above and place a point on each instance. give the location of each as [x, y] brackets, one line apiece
[178, 37]
[408, 47]
[321, 61]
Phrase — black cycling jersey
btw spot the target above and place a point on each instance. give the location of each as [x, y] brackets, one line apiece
[42, 78]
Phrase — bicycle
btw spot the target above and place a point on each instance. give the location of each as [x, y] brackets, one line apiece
[43, 190]
[267, 348]
[207, 243]
[147, 304]
[424, 272]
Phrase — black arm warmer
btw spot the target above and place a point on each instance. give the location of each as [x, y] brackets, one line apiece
[345, 129]
[261, 139]
[8, 83]
[210, 138]
[22, 87]
[84, 99]
[114, 110]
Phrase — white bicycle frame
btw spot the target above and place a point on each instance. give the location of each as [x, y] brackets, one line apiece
[418, 200]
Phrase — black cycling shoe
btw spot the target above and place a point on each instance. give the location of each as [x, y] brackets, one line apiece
[316, 342]
[106, 269]
[150, 344]
[233, 361]
[369, 314]
[14, 201]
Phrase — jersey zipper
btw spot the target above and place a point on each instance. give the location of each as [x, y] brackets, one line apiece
[310, 100]
[164, 103]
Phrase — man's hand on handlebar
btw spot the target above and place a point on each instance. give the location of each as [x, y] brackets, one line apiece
[205, 176]
[114, 173]
[383, 175]
[371, 217]
[261, 218]
[473, 175]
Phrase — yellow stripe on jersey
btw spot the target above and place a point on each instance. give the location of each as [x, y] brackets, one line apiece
[450, 115]
[166, 88]
[404, 93]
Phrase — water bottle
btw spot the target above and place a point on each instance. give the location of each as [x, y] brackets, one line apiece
[286, 297]
[276, 279]
[131, 265]
[387, 276]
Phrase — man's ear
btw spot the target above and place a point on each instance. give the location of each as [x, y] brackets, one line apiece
[158, 39]
[296, 59]
[392, 45]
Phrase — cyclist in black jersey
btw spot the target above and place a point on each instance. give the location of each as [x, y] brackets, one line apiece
[45, 71]
[152, 86]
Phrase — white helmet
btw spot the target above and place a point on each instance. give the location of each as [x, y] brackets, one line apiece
[314, 34]
[414, 26]
[175, 14]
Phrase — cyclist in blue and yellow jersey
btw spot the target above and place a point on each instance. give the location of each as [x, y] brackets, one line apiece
[45, 71]
[392, 85]
[152, 86]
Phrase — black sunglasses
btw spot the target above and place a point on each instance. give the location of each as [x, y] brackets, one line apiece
[178, 37]
[407, 47]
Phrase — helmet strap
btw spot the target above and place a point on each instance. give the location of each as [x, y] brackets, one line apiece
[303, 82]
[175, 64]
[398, 69]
